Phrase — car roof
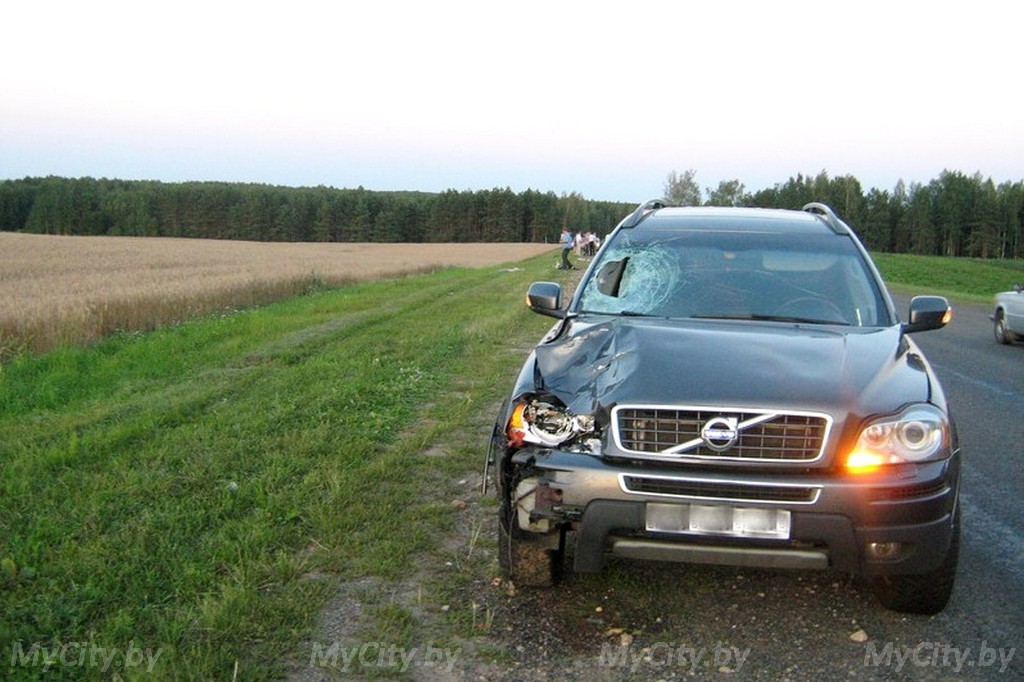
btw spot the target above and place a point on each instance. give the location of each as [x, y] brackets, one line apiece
[714, 218]
[813, 218]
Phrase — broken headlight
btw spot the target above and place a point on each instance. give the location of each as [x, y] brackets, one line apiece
[546, 423]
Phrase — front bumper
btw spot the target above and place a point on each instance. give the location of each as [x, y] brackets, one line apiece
[835, 522]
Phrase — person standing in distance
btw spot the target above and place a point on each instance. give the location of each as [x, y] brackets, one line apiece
[566, 241]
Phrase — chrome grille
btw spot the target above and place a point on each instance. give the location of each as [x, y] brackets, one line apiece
[668, 432]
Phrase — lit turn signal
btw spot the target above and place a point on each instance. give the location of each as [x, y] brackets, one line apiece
[861, 462]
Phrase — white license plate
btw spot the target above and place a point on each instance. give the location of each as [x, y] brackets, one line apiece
[700, 519]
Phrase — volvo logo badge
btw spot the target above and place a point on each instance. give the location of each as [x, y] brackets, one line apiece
[720, 433]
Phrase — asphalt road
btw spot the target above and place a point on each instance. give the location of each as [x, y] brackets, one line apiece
[984, 383]
[695, 621]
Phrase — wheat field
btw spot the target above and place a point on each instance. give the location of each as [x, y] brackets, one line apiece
[60, 289]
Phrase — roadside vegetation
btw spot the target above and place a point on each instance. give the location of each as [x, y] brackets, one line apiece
[971, 279]
[188, 489]
[200, 491]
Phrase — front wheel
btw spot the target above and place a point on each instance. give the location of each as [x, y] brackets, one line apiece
[1002, 336]
[524, 558]
[925, 593]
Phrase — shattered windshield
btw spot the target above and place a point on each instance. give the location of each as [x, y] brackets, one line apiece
[734, 275]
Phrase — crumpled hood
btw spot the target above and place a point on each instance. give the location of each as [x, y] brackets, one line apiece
[595, 365]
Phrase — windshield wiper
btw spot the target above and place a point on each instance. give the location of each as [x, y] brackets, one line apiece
[619, 313]
[769, 318]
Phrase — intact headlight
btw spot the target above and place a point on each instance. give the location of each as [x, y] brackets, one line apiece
[545, 423]
[919, 433]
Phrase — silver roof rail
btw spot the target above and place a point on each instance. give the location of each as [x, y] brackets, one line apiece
[641, 212]
[829, 216]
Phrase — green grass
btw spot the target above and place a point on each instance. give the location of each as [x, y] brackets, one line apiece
[969, 279]
[177, 489]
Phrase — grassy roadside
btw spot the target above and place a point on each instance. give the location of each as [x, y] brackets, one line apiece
[966, 279]
[176, 493]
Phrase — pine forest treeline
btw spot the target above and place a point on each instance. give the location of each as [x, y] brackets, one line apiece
[953, 215]
[218, 210]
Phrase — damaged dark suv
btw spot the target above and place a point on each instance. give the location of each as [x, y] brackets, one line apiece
[732, 386]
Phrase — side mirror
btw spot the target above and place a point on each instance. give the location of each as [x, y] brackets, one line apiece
[1018, 287]
[927, 312]
[545, 298]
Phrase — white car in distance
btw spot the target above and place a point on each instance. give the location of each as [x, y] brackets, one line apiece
[1008, 317]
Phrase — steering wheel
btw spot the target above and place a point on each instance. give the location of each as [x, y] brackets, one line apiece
[811, 308]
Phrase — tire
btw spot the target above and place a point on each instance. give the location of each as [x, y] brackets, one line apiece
[925, 593]
[524, 560]
[1002, 336]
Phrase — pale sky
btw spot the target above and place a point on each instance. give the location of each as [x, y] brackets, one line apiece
[603, 98]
